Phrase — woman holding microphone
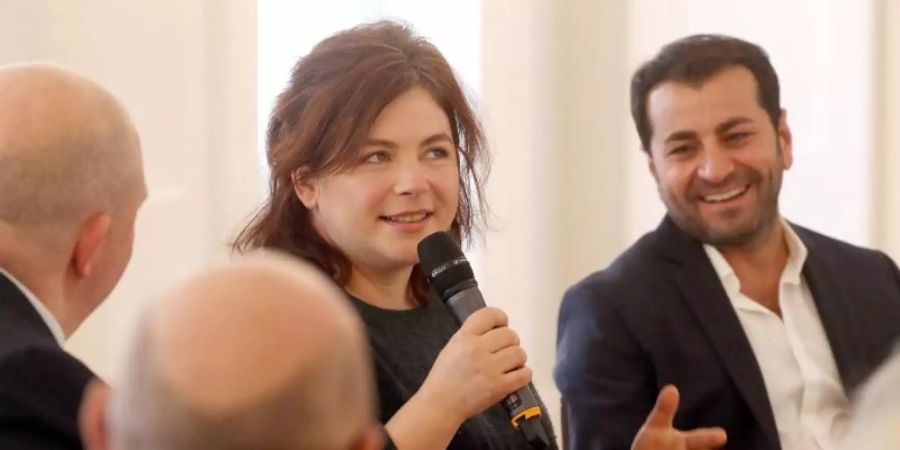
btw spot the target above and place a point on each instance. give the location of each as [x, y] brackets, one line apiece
[372, 147]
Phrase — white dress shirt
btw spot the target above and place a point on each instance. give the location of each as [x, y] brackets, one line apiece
[798, 368]
[42, 310]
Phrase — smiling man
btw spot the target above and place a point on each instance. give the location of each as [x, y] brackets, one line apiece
[764, 326]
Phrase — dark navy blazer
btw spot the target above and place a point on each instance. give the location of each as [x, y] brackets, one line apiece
[659, 315]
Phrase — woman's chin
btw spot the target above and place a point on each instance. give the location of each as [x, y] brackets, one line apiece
[400, 261]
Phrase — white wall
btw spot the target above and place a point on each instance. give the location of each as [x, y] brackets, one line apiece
[887, 198]
[555, 117]
[517, 62]
[186, 72]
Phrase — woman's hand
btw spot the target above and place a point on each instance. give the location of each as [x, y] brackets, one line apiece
[481, 364]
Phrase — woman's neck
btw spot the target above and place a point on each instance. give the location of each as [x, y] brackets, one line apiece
[388, 290]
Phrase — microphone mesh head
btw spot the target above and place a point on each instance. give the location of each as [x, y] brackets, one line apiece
[443, 262]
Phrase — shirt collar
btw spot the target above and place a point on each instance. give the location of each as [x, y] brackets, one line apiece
[793, 270]
[46, 315]
[797, 258]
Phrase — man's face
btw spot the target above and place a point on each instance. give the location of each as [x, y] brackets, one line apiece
[716, 157]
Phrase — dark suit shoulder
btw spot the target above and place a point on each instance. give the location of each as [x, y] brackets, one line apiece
[41, 389]
[15, 339]
[32, 365]
[633, 275]
[836, 248]
[603, 368]
[857, 266]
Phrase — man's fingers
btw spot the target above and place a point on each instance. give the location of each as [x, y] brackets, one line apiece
[664, 411]
[701, 438]
[658, 432]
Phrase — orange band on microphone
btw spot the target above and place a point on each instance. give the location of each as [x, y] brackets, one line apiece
[534, 411]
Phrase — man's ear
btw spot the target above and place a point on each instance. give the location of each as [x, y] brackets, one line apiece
[786, 140]
[93, 416]
[307, 190]
[91, 236]
[651, 166]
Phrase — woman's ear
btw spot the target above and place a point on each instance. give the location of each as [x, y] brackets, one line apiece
[307, 190]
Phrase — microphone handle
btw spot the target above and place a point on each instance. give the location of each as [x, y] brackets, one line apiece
[522, 405]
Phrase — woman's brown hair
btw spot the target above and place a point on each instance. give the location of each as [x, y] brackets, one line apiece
[324, 115]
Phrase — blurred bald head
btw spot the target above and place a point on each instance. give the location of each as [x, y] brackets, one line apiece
[72, 181]
[262, 353]
[67, 148]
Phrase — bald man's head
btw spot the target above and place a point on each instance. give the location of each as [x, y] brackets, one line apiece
[262, 353]
[72, 181]
[67, 148]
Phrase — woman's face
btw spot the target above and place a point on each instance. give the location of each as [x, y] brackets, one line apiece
[403, 186]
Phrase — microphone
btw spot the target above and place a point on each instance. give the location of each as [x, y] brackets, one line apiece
[450, 276]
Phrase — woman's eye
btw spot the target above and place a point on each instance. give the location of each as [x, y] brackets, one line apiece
[438, 153]
[376, 157]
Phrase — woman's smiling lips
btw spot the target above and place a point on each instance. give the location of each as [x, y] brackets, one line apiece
[408, 221]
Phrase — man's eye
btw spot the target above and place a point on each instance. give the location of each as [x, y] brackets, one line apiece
[680, 150]
[734, 138]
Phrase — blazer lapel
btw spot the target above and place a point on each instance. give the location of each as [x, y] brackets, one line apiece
[835, 311]
[704, 294]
